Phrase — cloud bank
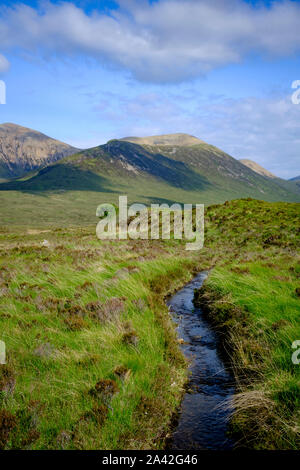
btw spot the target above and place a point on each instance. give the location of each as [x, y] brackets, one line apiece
[166, 41]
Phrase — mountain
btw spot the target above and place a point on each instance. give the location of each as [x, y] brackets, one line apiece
[182, 140]
[172, 168]
[290, 185]
[295, 182]
[23, 150]
[296, 178]
[257, 168]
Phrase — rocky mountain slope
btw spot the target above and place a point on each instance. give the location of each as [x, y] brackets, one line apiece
[23, 150]
[257, 168]
[292, 185]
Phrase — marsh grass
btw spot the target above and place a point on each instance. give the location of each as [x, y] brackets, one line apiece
[70, 324]
[79, 312]
[251, 296]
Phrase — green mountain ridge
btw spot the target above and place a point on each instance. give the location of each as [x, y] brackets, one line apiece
[164, 171]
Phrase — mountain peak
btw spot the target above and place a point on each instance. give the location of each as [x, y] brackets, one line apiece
[14, 127]
[23, 149]
[257, 168]
[178, 139]
[10, 128]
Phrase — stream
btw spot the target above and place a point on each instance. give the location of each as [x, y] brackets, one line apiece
[202, 421]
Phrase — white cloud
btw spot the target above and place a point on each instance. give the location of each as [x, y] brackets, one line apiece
[166, 41]
[4, 64]
[266, 130]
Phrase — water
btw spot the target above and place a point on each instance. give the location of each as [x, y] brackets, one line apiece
[202, 420]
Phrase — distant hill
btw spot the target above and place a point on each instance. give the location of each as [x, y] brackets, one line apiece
[296, 178]
[291, 185]
[172, 168]
[257, 168]
[295, 182]
[23, 150]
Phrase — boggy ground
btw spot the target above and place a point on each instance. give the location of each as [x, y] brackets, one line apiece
[92, 357]
[253, 297]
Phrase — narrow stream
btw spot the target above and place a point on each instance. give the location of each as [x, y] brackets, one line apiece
[202, 422]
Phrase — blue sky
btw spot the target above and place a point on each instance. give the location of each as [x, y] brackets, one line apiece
[85, 71]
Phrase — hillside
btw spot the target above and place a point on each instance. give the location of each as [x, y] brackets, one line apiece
[23, 150]
[297, 178]
[161, 171]
[291, 185]
[257, 168]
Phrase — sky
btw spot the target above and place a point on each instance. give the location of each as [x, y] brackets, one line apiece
[85, 72]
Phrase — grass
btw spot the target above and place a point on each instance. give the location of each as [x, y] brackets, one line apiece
[75, 314]
[252, 296]
[78, 208]
[92, 356]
